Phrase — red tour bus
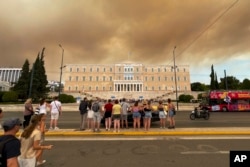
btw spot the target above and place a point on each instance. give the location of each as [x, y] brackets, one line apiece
[233, 100]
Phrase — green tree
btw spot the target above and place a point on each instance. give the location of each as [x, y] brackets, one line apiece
[39, 78]
[232, 83]
[185, 98]
[212, 81]
[245, 84]
[197, 86]
[22, 85]
[216, 83]
[10, 96]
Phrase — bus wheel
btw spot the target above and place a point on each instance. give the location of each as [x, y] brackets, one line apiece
[224, 109]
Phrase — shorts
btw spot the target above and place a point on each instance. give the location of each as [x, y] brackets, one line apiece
[107, 114]
[27, 162]
[117, 116]
[148, 114]
[90, 114]
[124, 117]
[162, 114]
[171, 113]
[136, 115]
[97, 117]
[55, 116]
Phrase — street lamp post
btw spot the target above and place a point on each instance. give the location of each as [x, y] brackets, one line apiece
[175, 80]
[60, 82]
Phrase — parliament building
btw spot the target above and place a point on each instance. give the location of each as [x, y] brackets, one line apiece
[128, 79]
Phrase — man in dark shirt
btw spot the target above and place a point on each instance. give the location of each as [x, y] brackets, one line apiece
[11, 149]
[83, 108]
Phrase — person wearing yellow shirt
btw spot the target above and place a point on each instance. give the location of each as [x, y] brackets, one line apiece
[116, 114]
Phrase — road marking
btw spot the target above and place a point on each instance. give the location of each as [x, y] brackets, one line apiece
[205, 152]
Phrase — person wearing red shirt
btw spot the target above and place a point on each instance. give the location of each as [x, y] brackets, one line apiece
[107, 115]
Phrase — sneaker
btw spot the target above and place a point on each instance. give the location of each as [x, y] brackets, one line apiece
[50, 128]
[40, 163]
[56, 128]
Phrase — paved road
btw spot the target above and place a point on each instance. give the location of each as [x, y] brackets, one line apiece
[146, 152]
[70, 120]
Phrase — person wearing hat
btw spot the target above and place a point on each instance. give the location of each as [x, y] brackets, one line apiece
[12, 145]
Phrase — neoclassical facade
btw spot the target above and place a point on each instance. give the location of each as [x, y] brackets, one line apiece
[128, 79]
[10, 75]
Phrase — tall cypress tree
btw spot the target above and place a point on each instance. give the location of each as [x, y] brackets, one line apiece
[22, 85]
[40, 82]
[212, 82]
[216, 81]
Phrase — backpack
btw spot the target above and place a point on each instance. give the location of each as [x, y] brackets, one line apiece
[2, 145]
[95, 107]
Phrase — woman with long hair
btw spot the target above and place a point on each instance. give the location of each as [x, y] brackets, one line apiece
[30, 143]
[136, 115]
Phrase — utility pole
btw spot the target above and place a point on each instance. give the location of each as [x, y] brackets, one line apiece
[60, 82]
[175, 80]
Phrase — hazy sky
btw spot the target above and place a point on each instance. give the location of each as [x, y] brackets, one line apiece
[205, 32]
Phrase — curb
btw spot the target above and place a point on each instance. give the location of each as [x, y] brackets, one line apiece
[142, 133]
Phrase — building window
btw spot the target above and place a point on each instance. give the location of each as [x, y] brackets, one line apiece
[178, 78]
[159, 70]
[159, 88]
[90, 78]
[166, 88]
[184, 69]
[137, 69]
[84, 69]
[83, 78]
[152, 78]
[146, 78]
[103, 88]
[178, 69]
[69, 88]
[166, 78]
[77, 69]
[137, 78]
[110, 88]
[146, 88]
[90, 88]
[185, 78]
[145, 69]
[90, 69]
[70, 78]
[120, 69]
[110, 78]
[96, 88]
[97, 69]
[76, 78]
[110, 69]
[165, 69]
[103, 78]
[159, 78]
[70, 69]
[172, 78]
[76, 88]
[104, 69]
[152, 69]
[97, 78]
[153, 88]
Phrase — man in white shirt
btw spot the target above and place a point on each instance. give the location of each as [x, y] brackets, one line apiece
[55, 111]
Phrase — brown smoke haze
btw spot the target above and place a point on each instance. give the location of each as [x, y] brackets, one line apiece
[205, 32]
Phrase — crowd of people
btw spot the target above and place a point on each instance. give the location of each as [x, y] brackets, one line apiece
[117, 110]
[28, 148]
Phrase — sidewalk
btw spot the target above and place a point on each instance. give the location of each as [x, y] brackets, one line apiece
[152, 132]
